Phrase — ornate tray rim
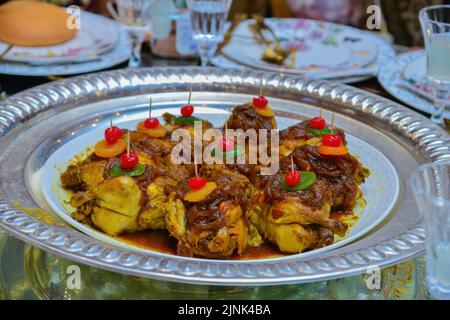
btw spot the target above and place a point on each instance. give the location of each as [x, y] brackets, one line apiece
[431, 140]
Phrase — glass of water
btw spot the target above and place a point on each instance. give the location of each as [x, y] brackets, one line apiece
[135, 18]
[435, 21]
[431, 186]
[208, 19]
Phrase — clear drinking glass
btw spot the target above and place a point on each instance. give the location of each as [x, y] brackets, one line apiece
[208, 19]
[435, 21]
[431, 186]
[134, 16]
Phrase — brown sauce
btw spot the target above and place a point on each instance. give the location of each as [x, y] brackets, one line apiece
[160, 241]
[156, 240]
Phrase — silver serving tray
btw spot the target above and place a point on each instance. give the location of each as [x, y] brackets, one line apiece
[33, 123]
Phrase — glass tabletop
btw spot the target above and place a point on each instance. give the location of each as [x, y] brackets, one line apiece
[27, 272]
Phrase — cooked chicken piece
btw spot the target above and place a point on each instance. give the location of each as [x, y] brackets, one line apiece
[176, 217]
[230, 236]
[151, 147]
[122, 195]
[176, 224]
[256, 216]
[343, 174]
[232, 184]
[293, 210]
[214, 227]
[81, 198]
[299, 135]
[84, 176]
[143, 199]
[153, 213]
[111, 222]
[295, 238]
[295, 221]
[311, 206]
[293, 137]
[117, 205]
[84, 201]
[245, 117]
[144, 159]
[178, 173]
[254, 238]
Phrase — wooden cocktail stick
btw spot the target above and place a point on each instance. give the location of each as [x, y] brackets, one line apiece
[128, 143]
[150, 108]
[195, 169]
[292, 164]
[261, 88]
[226, 129]
[110, 123]
[321, 112]
[332, 123]
[190, 95]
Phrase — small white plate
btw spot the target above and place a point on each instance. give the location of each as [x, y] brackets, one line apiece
[398, 73]
[118, 54]
[322, 49]
[381, 190]
[96, 36]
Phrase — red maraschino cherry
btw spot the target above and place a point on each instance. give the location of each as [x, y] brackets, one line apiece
[151, 123]
[317, 123]
[293, 178]
[187, 111]
[113, 134]
[129, 160]
[331, 140]
[197, 183]
[260, 102]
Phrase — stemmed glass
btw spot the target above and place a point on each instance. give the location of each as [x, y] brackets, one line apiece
[134, 16]
[435, 21]
[431, 186]
[208, 19]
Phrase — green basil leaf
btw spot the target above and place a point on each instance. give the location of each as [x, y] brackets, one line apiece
[320, 132]
[187, 120]
[118, 171]
[307, 180]
[223, 155]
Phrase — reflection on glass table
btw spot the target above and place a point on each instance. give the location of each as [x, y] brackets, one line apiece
[30, 273]
[431, 184]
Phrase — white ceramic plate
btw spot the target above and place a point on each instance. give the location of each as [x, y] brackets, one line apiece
[322, 48]
[223, 62]
[416, 70]
[397, 74]
[96, 36]
[381, 190]
[118, 54]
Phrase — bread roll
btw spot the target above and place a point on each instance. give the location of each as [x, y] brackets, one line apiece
[33, 24]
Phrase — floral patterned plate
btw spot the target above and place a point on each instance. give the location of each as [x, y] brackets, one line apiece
[404, 78]
[96, 36]
[118, 54]
[318, 49]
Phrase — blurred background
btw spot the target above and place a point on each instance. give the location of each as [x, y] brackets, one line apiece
[400, 15]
